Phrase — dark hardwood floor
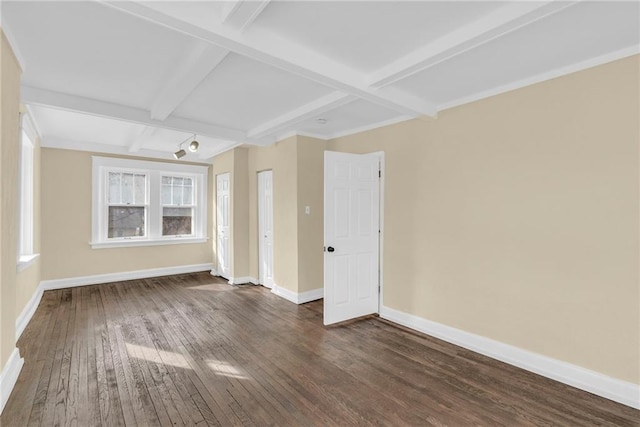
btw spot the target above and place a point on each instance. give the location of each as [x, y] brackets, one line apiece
[192, 350]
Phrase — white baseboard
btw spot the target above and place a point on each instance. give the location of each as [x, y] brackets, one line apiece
[213, 272]
[28, 311]
[9, 376]
[241, 280]
[594, 382]
[309, 296]
[298, 298]
[71, 282]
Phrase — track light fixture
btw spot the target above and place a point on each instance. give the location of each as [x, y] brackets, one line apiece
[193, 147]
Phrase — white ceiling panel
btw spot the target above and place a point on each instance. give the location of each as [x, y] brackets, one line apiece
[368, 35]
[355, 115]
[243, 93]
[87, 49]
[578, 33]
[78, 127]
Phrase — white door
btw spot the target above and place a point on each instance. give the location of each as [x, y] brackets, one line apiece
[351, 235]
[222, 221]
[265, 227]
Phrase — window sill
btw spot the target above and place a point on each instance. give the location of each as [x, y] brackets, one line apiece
[148, 242]
[25, 261]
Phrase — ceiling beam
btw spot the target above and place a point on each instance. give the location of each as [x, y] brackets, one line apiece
[281, 53]
[202, 59]
[498, 23]
[307, 111]
[241, 13]
[62, 101]
[140, 138]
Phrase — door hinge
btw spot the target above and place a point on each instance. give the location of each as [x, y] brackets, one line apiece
[379, 173]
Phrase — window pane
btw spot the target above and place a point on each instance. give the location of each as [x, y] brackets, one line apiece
[126, 221]
[176, 200]
[140, 189]
[166, 194]
[127, 188]
[166, 180]
[114, 187]
[187, 195]
[176, 221]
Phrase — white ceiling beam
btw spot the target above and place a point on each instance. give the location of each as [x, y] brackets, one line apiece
[139, 139]
[281, 53]
[198, 64]
[62, 101]
[500, 22]
[241, 13]
[307, 111]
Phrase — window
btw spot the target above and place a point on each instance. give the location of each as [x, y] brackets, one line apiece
[138, 203]
[25, 239]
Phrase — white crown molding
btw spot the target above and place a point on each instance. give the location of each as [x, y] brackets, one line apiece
[319, 106]
[8, 33]
[199, 62]
[289, 134]
[9, 376]
[268, 48]
[63, 101]
[506, 19]
[594, 382]
[368, 127]
[559, 72]
[66, 144]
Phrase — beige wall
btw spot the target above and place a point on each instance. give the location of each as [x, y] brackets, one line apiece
[516, 217]
[66, 226]
[9, 155]
[311, 226]
[240, 222]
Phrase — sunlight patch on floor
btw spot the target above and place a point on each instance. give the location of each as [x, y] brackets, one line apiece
[226, 369]
[157, 356]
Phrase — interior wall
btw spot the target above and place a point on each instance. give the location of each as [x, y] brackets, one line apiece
[516, 217]
[66, 227]
[240, 222]
[9, 158]
[310, 226]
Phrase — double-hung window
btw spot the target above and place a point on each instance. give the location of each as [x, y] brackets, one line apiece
[139, 203]
[28, 138]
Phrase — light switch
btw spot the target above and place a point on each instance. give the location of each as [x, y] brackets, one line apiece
[307, 210]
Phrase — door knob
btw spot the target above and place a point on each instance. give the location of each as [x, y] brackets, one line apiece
[330, 249]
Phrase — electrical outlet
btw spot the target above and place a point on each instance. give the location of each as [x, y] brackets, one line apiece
[307, 210]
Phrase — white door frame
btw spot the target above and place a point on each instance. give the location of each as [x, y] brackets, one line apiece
[381, 202]
[264, 281]
[218, 243]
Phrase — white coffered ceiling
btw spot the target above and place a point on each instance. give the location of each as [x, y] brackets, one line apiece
[140, 77]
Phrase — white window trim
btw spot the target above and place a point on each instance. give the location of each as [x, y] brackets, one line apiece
[154, 171]
[26, 255]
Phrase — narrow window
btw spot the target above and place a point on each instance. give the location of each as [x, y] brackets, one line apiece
[127, 205]
[177, 206]
[25, 246]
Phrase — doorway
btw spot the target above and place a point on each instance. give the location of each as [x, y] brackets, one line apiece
[265, 227]
[223, 191]
[352, 234]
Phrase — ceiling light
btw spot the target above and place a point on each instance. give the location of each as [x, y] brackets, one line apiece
[321, 121]
[193, 147]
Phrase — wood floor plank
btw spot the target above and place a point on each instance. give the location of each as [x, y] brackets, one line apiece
[192, 350]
